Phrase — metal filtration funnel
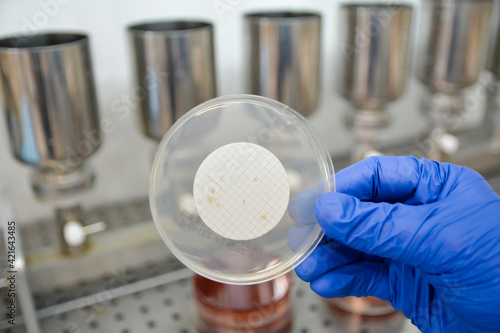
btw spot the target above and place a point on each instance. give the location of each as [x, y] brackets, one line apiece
[374, 48]
[453, 51]
[50, 105]
[284, 50]
[174, 64]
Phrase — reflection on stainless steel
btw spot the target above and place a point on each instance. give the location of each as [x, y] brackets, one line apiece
[175, 69]
[453, 52]
[455, 43]
[284, 58]
[494, 63]
[493, 104]
[365, 314]
[374, 51]
[491, 122]
[50, 102]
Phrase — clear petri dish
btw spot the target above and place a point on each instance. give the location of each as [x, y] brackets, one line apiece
[223, 184]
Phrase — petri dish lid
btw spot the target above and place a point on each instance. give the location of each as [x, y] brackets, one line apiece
[223, 183]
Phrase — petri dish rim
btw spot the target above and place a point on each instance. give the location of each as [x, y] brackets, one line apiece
[327, 174]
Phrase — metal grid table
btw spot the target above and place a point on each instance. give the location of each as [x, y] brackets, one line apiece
[153, 297]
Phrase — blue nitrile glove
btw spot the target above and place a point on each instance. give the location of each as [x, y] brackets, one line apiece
[423, 235]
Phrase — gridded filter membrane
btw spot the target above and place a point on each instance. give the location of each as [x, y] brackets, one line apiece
[241, 191]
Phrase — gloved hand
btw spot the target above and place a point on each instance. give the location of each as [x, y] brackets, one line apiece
[423, 235]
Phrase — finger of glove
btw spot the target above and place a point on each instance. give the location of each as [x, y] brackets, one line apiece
[395, 231]
[301, 211]
[301, 207]
[359, 279]
[398, 179]
[298, 236]
[325, 258]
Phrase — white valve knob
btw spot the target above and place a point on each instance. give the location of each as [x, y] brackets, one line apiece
[448, 143]
[75, 232]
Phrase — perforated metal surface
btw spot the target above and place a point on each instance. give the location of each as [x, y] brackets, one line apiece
[146, 298]
[137, 299]
[43, 233]
[169, 308]
[165, 308]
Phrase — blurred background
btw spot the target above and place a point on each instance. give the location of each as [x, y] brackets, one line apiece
[123, 163]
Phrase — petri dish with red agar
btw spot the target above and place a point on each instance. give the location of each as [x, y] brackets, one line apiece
[222, 183]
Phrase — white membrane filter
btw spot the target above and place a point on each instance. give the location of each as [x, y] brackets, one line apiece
[241, 191]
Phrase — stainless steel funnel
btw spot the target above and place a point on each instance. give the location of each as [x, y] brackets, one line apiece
[49, 100]
[374, 47]
[175, 67]
[454, 43]
[284, 57]
[452, 55]
[374, 54]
